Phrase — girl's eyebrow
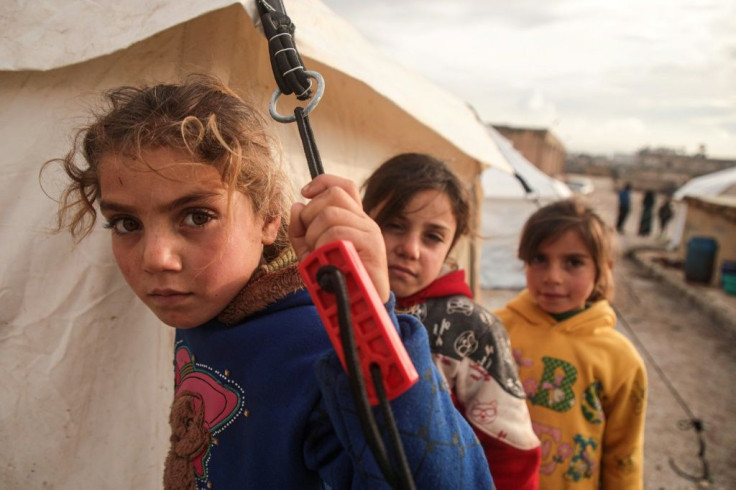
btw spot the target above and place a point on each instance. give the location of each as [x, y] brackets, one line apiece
[194, 197]
[438, 227]
[577, 255]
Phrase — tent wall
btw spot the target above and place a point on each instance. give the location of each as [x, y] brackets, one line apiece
[502, 221]
[506, 207]
[712, 218]
[86, 400]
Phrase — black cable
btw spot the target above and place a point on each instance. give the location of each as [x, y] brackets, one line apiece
[404, 474]
[291, 77]
[692, 421]
[286, 63]
[314, 162]
[332, 280]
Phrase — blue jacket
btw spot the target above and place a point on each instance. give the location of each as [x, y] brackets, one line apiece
[265, 403]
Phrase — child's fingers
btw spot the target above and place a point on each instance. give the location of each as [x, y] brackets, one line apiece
[297, 231]
[335, 212]
[327, 202]
[331, 209]
[337, 223]
[331, 182]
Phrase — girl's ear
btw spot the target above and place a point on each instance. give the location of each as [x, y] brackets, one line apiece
[270, 230]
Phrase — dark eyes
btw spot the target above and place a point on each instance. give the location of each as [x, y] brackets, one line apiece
[571, 262]
[198, 217]
[123, 225]
[397, 227]
[393, 226]
[574, 262]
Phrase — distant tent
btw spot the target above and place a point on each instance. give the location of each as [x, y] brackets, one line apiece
[506, 206]
[720, 183]
[88, 368]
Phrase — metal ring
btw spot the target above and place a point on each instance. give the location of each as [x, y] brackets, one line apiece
[309, 108]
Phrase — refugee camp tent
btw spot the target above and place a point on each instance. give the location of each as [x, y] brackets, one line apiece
[720, 183]
[88, 369]
[506, 206]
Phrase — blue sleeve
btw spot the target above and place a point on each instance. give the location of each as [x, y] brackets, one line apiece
[441, 448]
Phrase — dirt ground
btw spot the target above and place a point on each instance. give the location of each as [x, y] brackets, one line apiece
[691, 365]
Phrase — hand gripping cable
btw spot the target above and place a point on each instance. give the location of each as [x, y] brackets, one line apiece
[356, 321]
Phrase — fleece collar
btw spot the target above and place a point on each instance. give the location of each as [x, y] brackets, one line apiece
[269, 283]
[451, 284]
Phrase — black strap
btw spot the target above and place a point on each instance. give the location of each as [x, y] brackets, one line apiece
[310, 147]
[286, 64]
[291, 77]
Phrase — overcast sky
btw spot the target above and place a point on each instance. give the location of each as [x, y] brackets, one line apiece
[604, 75]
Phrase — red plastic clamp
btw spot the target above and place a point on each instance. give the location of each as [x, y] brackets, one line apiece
[376, 336]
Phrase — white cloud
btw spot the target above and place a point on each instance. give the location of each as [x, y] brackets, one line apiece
[610, 75]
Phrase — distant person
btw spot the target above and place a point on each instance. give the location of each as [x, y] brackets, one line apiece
[624, 206]
[664, 213]
[423, 209]
[647, 211]
[585, 382]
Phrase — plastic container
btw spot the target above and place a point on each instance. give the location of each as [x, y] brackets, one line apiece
[701, 253]
[728, 276]
[729, 283]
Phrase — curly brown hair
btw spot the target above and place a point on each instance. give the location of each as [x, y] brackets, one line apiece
[200, 117]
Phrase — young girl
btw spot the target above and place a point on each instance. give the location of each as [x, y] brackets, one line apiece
[423, 210]
[186, 179]
[585, 382]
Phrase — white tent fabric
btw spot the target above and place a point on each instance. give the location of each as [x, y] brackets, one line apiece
[709, 185]
[712, 184]
[506, 207]
[42, 36]
[88, 368]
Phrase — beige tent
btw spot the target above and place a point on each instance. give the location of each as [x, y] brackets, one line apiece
[88, 369]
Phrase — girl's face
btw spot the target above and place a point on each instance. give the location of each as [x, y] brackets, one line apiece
[418, 241]
[182, 249]
[561, 277]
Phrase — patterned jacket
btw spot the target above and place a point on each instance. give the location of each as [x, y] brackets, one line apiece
[471, 349]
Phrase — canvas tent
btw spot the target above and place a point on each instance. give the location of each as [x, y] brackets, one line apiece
[720, 183]
[88, 368]
[506, 206]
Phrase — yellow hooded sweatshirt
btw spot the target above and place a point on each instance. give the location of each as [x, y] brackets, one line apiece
[586, 390]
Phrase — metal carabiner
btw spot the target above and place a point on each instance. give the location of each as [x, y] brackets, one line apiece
[309, 107]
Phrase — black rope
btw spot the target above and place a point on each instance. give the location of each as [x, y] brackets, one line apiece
[286, 64]
[692, 422]
[310, 146]
[404, 477]
[332, 280]
[291, 77]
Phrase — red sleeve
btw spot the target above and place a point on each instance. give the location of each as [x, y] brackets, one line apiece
[511, 468]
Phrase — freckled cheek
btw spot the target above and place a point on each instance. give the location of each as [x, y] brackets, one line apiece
[125, 263]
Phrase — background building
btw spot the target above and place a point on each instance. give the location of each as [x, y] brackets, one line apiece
[539, 146]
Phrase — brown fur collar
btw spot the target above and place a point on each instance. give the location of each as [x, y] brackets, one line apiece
[270, 282]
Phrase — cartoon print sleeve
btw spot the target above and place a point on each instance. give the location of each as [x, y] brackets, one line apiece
[488, 392]
[441, 448]
[623, 444]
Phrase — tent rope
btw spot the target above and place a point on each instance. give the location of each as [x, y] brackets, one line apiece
[292, 77]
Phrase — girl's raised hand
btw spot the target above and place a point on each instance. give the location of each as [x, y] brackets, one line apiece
[335, 212]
